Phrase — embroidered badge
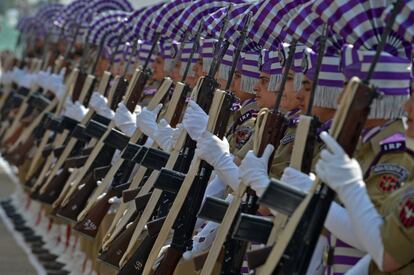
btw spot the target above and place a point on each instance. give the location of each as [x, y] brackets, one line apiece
[287, 139]
[407, 213]
[389, 183]
[387, 168]
[396, 142]
[242, 135]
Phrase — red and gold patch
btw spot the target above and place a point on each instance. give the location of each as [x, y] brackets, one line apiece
[407, 213]
[389, 183]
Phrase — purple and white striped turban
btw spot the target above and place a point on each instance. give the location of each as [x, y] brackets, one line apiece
[271, 63]
[185, 57]
[392, 76]
[166, 18]
[250, 71]
[359, 22]
[71, 18]
[131, 27]
[270, 21]
[226, 62]
[196, 12]
[404, 23]
[297, 66]
[307, 27]
[214, 22]
[330, 80]
[143, 25]
[105, 28]
[207, 52]
[144, 48]
[46, 16]
[168, 51]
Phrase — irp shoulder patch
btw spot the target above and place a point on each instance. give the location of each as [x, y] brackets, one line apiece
[396, 142]
[388, 168]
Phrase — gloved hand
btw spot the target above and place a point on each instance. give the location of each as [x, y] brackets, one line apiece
[43, 77]
[195, 120]
[60, 91]
[298, 179]
[344, 175]
[116, 157]
[147, 120]
[56, 81]
[217, 153]
[75, 110]
[215, 188]
[16, 75]
[100, 104]
[28, 81]
[6, 78]
[125, 120]
[166, 136]
[203, 240]
[253, 170]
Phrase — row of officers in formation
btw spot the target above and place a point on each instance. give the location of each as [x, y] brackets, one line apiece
[213, 137]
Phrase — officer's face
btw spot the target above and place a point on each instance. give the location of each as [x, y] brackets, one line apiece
[175, 73]
[409, 108]
[304, 94]
[289, 97]
[264, 97]
[158, 69]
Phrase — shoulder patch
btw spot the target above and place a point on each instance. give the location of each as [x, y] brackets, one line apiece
[388, 168]
[242, 135]
[407, 213]
[395, 142]
[389, 183]
[287, 139]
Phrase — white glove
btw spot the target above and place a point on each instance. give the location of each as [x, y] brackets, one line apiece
[43, 77]
[16, 75]
[125, 120]
[203, 240]
[28, 81]
[215, 188]
[6, 78]
[195, 120]
[316, 266]
[166, 136]
[217, 153]
[253, 170]
[75, 110]
[147, 120]
[339, 223]
[344, 175]
[56, 81]
[298, 179]
[100, 104]
[60, 91]
[116, 157]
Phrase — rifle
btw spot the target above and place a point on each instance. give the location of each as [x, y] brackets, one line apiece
[182, 215]
[306, 223]
[301, 159]
[77, 133]
[270, 128]
[97, 157]
[136, 153]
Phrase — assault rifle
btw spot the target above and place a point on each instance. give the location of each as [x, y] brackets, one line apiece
[306, 223]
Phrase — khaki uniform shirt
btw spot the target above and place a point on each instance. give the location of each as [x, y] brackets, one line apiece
[398, 229]
[242, 127]
[386, 164]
